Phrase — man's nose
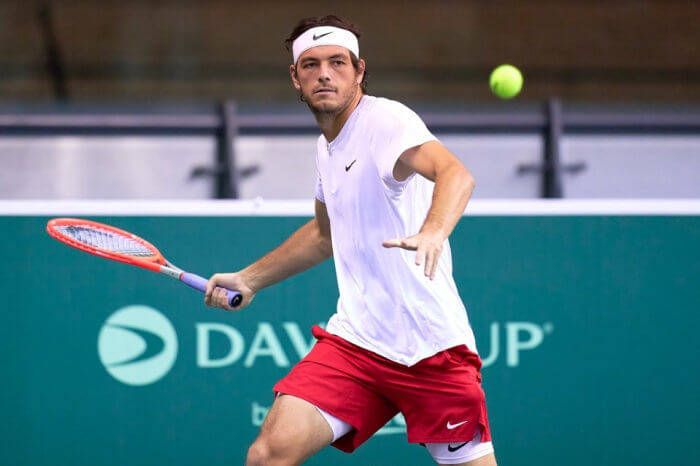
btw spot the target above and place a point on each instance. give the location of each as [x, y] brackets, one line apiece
[324, 72]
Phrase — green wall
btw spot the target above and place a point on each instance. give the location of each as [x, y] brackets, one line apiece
[587, 325]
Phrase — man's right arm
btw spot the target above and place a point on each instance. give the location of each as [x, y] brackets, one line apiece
[305, 248]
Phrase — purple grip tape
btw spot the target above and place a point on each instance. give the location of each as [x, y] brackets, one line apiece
[200, 283]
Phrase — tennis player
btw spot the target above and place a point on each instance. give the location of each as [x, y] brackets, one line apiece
[387, 197]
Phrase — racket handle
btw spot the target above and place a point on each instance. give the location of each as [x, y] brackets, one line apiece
[200, 283]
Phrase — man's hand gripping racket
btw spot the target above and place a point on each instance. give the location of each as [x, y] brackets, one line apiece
[119, 245]
[215, 294]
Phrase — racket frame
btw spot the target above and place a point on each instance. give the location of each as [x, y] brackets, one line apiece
[155, 263]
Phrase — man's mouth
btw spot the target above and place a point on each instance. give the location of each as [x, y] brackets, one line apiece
[323, 90]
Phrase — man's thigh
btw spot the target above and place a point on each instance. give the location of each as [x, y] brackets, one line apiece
[293, 429]
[472, 453]
[488, 460]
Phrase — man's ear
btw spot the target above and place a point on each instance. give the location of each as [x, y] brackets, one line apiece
[295, 78]
[360, 70]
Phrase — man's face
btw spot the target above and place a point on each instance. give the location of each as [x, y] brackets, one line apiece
[326, 78]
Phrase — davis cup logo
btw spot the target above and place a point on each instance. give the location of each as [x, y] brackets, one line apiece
[137, 345]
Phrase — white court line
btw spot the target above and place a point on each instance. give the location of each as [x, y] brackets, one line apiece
[304, 208]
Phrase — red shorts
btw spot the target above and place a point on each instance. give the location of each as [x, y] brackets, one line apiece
[440, 397]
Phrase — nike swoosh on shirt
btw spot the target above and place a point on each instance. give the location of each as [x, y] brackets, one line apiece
[454, 426]
[347, 167]
[321, 35]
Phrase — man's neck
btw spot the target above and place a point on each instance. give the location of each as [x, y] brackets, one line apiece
[331, 125]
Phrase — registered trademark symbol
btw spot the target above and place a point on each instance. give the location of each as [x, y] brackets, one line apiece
[548, 327]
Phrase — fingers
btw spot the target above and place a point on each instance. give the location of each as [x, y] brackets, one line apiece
[216, 296]
[403, 243]
[433, 267]
[430, 264]
[427, 251]
[420, 255]
[221, 298]
[392, 243]
[430, 256]
[211, 285]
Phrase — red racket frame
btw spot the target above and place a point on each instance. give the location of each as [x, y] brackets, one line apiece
[153, 263]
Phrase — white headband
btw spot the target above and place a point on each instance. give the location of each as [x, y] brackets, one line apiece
[325, 35]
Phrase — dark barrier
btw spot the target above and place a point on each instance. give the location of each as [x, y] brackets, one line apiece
[586, 325]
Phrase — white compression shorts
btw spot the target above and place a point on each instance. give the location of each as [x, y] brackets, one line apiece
[443, 453]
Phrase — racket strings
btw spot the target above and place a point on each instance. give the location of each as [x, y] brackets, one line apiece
[105, 240]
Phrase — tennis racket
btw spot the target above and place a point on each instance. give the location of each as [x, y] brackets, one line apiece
[119, 245]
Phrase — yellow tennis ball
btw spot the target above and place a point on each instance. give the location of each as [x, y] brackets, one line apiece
[506, 81]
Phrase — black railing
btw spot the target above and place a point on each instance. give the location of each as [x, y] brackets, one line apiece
[225, 122]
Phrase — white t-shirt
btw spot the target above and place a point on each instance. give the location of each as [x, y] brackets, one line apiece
[387, 305]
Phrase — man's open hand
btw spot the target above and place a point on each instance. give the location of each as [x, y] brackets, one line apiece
[428, 247]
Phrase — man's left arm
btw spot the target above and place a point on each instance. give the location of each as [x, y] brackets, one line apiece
[453, 187]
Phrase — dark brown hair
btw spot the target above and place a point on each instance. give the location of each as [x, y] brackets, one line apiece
[329, 20]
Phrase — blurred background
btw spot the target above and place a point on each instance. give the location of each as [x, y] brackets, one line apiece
[111, 92]
[577, 260]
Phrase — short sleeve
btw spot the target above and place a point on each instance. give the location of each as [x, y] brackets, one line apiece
[399, 128]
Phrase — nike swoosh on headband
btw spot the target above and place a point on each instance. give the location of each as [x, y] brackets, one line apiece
[321, 35]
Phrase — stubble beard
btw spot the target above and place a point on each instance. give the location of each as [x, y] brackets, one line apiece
[323, 111]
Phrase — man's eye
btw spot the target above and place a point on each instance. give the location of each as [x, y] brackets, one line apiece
[339, 62]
